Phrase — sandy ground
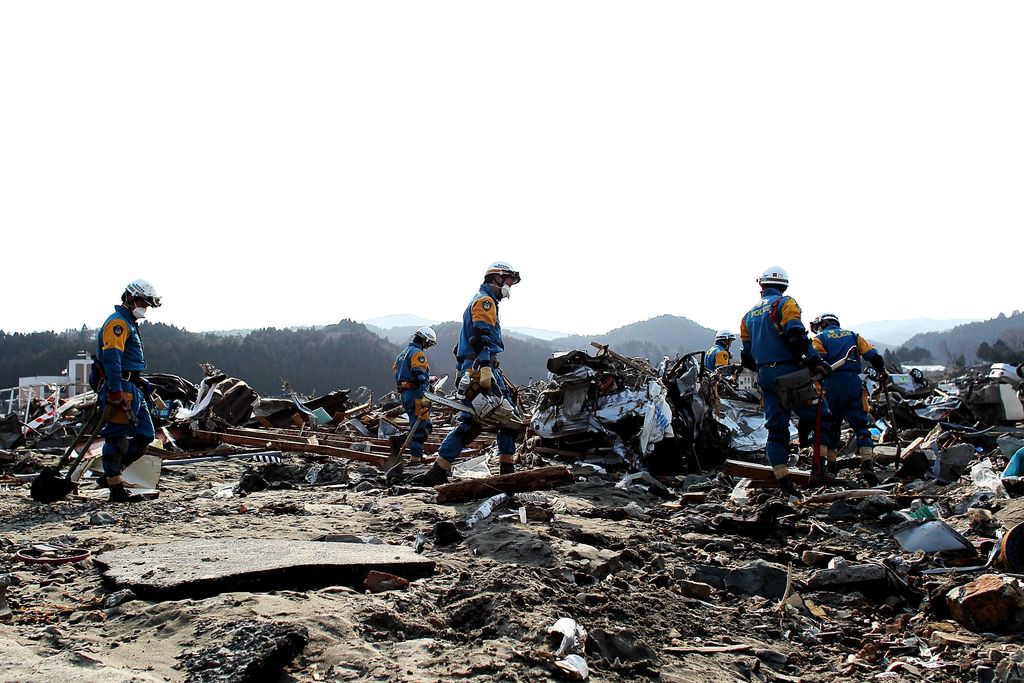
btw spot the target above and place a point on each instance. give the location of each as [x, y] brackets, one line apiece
[483, 616]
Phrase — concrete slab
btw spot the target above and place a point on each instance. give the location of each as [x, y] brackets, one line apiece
[204, 567]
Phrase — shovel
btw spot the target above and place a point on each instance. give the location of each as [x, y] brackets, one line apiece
[883, 379]
[49, 486]
[396, 459]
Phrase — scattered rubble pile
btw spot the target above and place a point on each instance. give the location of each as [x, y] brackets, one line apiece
[642, 539]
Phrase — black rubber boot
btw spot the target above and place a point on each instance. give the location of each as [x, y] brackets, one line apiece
[118, 494]
[832, 467]
[867, 470]
[788, 487]
[101, 482]
[435, 476]
[506, 468]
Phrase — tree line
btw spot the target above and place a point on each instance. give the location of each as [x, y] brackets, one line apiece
[312, 361]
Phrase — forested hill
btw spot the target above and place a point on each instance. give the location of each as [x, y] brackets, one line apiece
[342, 356]
[1000, 339]
[665, 335]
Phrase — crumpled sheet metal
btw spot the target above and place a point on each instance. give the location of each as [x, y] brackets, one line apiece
[649, 403]
[746, 424]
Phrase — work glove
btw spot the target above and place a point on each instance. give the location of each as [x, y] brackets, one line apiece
[486, 378]
[818, 366]
[118, 403]
[878, 363]
[425, 403]
[147, 387]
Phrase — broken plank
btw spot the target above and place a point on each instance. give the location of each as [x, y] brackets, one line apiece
[286, 445]
[517, 482]
[762, 473]
[848, 494]
[624, 359]
[707, 649]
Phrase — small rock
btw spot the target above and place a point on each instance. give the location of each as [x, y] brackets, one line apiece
[875, 506]
[695, 481]
[771, 656]
[117, 598]
[842, 511]
[815, 558]
[845, 575]
[943, 639]
[991, 603]
[694, 589]
[591, 598]
[621, 644]
[1011, 669]
[378, 582]
[101, 518]
[758, 578]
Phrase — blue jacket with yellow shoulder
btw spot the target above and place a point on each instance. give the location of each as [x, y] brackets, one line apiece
[772, 331]
[481, 332]
[834, 343]
[411, 367]
[119, 347]
[716, 357]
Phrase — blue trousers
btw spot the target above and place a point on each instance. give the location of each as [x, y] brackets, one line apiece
[413, 409]
[845, 394]
[777, 418]
[469, 427]
[124, 443]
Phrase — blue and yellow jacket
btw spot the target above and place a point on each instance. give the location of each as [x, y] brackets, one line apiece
[119, 347]
[834, 343]
[716, 357]
[411, 371]
[481, 331]
[773, 341]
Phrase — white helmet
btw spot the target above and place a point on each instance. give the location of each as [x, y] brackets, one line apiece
[503, 268]
[142, 289]
[426, 335]
[826, 318]
[725, 335]
[773, 276]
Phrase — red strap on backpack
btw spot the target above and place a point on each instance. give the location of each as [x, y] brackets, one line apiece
[773, 315]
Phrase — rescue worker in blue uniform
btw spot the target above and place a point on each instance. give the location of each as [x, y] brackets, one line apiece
[477, 357]
[719, 356]
[412, 379]
[128, 426]
[775, 343]
[844, 389]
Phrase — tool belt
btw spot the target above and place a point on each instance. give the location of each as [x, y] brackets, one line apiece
[405, 386]
[796, 388]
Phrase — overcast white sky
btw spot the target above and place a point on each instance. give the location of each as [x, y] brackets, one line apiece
[276, 164]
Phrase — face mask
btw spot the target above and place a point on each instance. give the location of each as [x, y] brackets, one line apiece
[506, 291]
[139, 312]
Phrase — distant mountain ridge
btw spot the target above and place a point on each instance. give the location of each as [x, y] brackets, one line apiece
[896, 332]
[963, 340]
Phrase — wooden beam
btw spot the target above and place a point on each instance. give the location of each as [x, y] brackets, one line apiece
[762, 473]
[518, 482]
[267, 441]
